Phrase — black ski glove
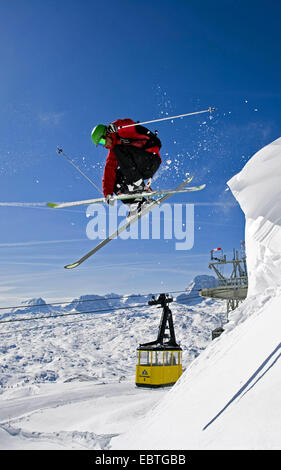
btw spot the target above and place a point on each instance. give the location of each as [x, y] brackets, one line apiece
[111, 129]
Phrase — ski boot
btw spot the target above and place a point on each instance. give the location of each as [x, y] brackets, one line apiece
[137, 207]
[137, 204]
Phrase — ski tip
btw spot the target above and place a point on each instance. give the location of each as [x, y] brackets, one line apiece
[51, 204]
[198, 188]
[71, 266]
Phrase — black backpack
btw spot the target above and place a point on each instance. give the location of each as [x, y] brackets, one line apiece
[153, 141]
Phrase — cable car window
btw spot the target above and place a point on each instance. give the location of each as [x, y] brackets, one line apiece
[167, 358]
[157, 358]
[144, 358]
[175, 358]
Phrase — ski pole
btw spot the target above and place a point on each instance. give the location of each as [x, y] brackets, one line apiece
[209, 110]
[60, 152]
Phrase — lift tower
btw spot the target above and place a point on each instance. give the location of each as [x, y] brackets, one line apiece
[233, 288]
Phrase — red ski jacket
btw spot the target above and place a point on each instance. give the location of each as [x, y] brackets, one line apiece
[111, 164]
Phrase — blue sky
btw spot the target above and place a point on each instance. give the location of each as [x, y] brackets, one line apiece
[67, 65]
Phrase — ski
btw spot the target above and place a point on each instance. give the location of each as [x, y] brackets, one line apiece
[126, 197]
[132, 220]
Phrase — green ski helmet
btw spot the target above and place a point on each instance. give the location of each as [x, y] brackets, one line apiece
[98, 134]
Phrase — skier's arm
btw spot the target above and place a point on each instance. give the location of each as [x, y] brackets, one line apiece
[127, 132]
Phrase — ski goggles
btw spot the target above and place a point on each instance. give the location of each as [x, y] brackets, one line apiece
[102, 141]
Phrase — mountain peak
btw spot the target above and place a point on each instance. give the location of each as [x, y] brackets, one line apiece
[191, 295]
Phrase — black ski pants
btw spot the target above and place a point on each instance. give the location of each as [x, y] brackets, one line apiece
[135, 163]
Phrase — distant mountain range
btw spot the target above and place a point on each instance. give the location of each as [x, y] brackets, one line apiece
[93, 303]
[191, 296]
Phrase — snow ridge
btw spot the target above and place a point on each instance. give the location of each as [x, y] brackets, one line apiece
[58, 440]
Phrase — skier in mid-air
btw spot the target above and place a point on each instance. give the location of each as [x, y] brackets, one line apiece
[133, 158]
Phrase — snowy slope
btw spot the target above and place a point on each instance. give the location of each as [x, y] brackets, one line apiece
[229, 397]
[69, 382]
[72, 415]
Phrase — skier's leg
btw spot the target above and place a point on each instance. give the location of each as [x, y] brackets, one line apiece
[121, 185]
[136, 165]
[127, 164]
[147, 163]
[120, 182]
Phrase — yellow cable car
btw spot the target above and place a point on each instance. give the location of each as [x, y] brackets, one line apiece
[159, 362]
[158, 367]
